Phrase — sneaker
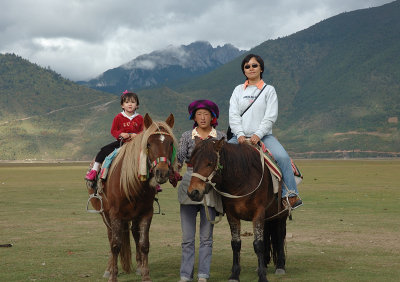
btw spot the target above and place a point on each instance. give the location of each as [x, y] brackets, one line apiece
[158, 188]
[202, 280]
[91, 175]
[294, 202]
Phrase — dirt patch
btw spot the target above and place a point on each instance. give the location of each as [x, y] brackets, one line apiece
[374, 133]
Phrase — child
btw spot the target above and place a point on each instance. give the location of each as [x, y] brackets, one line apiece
[125, 126]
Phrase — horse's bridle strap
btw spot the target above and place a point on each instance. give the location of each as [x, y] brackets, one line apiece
[160, 159]
[227, 195]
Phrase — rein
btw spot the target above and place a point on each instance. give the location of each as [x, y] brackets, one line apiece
[218, 166]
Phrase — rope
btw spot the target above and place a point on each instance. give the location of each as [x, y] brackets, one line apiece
[208, 213]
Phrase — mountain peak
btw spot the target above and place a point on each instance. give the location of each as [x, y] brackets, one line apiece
[165, 66]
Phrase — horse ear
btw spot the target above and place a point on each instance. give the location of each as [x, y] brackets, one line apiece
[170, 120]
[218, 145]
[147, 121]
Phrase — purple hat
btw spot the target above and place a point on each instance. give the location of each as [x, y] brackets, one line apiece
[204, 104]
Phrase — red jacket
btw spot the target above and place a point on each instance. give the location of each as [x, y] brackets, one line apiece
[122, 124]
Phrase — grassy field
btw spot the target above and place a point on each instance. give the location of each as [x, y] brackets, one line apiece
[348, 229]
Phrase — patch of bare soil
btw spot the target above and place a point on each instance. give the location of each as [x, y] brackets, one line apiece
[373, 133]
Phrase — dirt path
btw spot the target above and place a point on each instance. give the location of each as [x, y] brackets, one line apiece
[61, 109]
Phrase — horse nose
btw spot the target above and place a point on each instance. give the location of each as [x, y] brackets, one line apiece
[194, 195]
[161, 175]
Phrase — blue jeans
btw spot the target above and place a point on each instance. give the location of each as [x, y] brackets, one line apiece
[188, 223]
[283, 159]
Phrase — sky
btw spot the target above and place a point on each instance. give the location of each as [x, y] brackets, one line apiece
[80, 39]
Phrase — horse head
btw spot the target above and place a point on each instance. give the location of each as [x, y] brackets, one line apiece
[160, 149]
[205, 162]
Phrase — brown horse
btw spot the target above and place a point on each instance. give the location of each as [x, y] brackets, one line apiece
[129, 199]
[236, 172]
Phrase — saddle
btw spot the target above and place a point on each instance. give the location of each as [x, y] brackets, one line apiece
[276, 172]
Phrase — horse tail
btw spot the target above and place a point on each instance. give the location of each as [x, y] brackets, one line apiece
[125, 253]
[274, 240]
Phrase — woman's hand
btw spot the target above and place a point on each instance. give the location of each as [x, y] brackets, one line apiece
[241, 139]
[254, 139]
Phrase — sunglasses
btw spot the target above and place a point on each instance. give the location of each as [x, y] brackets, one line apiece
[253, 66]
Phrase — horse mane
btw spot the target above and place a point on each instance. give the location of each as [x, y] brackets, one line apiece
[128, 158]
[239, 159]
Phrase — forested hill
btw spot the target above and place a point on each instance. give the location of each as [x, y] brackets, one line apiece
[44, 116]
[338, 84]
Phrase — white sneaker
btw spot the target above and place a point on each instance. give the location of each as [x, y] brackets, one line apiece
[202, 280]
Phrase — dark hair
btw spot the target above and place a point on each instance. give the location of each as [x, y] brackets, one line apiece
[258, 59]
[126, 96]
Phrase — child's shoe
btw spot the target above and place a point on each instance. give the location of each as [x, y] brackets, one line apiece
[91, 175]
[158, 188]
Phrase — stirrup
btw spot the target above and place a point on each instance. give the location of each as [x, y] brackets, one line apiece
[96, 196]
[158, 204]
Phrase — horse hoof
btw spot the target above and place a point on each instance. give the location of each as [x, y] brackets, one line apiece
[106, 274]
[280, 271]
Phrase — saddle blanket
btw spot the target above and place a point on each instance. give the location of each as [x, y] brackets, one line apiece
[107, 163]
[275, 169]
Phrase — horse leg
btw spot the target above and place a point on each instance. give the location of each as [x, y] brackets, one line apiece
[267, 244]
[274, 240]
[144, 245]
[280, 246]
[136, 235]
[258, 244]
[236, 244]
[115, 245]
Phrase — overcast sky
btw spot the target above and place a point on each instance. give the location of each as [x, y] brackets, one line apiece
[81, 39]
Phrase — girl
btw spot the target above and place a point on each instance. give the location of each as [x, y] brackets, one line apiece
[205, 114]
[125, 126]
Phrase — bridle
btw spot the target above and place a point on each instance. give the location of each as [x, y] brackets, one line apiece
[217, 167]
[158, 160]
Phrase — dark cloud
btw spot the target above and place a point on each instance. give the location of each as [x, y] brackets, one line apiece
[82, 38]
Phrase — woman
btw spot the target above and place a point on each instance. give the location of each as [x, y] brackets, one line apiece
[204, 114]
[256, 123]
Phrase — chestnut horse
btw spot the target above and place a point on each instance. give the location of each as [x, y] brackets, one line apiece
[129, 199]
[238, 174]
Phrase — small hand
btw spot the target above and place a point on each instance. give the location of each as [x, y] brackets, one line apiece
[125, 135]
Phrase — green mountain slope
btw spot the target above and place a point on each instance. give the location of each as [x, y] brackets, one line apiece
[43, 115]
[338, 84]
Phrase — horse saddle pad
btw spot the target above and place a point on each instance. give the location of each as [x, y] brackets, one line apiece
[275, 170]
[107, 163]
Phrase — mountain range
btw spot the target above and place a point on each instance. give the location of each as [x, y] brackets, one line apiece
[338, 85]
[168, 66]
